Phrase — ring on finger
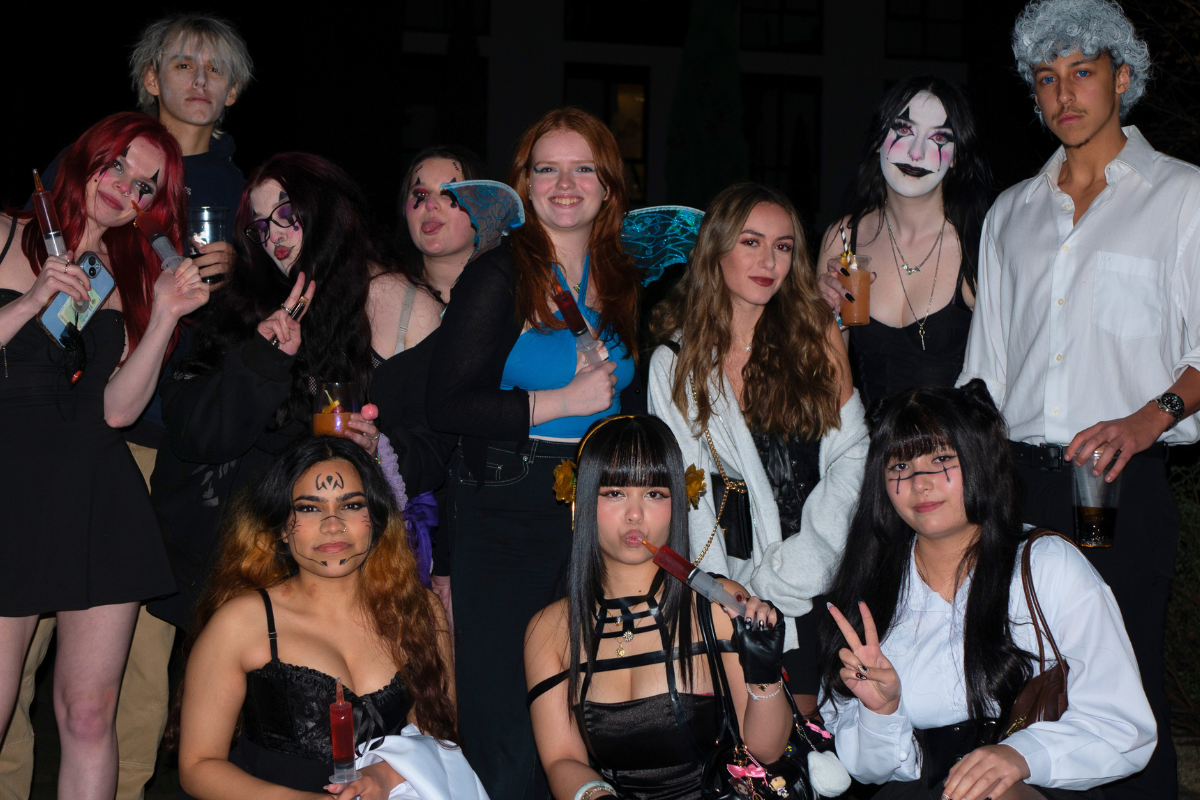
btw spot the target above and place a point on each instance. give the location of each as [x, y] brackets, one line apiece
[375, 438]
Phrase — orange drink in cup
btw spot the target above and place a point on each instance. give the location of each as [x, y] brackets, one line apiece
[332, 408]
[858, 285]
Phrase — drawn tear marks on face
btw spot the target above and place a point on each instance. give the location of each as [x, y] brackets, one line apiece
[334, 481]
[904, 472]
[918, 149]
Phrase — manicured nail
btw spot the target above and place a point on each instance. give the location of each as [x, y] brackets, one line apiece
[850, 297]
[860, 676]
[863, 668]
[828, 606]
[845, 271]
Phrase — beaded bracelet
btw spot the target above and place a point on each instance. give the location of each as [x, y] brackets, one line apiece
[763, 687]
[594, 787]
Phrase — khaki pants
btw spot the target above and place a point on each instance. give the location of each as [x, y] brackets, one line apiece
[141, 710]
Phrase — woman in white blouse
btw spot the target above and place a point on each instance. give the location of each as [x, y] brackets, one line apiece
[940, 639]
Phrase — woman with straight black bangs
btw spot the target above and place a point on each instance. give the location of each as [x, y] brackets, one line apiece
[922, 191]
[235, 400]
[929, 598]
[597, 659]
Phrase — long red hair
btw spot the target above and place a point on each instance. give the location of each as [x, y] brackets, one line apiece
[610, 270]
[133, 263]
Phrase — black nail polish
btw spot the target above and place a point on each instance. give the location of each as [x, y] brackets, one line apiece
[860, 676]
[845, 271]
[850, 297]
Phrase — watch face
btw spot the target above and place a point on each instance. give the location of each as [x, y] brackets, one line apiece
[1172, 404]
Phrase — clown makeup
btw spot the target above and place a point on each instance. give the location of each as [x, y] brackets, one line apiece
[132, 176]
[329, 532]
[918, 150]
[903, 471]
[270, 206]
[436, 223]
[927, 493]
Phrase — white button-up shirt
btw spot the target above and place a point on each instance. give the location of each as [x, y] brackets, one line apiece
[1108, 730]
[1079, 323]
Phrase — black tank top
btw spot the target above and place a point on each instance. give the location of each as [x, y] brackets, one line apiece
[651, 748]
[887, 360]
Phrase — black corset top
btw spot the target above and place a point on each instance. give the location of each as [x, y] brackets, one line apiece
[287, 706]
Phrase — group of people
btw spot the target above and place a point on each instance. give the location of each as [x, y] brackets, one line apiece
[466, 562]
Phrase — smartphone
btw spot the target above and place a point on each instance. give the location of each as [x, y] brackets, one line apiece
[62, 311]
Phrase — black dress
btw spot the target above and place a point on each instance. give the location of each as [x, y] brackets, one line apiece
[651, 748]
[889, 360]
[80, 531]
[285, 736]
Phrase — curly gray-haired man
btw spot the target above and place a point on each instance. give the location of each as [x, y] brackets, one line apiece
[1087, 332]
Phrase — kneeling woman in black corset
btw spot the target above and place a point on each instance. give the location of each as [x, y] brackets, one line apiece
[315, 580]
[602, 651]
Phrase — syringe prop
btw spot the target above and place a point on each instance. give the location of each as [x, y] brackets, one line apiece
[43, 206]
[584, 341]
[341, 725]
[700, 581]
[158, 240]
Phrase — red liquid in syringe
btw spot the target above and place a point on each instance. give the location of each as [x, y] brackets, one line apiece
[341, 723]
[43, 206]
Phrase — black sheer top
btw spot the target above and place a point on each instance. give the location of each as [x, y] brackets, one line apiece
[793, 467]
[651, 748]
[285, 736]
[889, 360]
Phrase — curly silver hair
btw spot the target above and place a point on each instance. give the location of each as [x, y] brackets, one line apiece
[229, 50]
[1047, 29]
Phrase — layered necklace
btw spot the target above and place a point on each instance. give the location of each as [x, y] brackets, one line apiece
[898, 257]
[903, 262]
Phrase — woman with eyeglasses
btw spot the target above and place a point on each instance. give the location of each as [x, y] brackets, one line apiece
[246, 388]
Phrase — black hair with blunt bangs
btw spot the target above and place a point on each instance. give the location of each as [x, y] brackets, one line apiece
[340, 251]
[412, 262]
[875, 566]
[967, 191]
[638, 450]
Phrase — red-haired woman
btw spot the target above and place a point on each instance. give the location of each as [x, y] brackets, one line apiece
[315, 580]
[82, 538]
[505, 377]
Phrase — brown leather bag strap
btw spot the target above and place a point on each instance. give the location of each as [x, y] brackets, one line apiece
[1035, 608]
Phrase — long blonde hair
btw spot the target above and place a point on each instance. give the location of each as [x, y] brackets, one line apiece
[791, 382]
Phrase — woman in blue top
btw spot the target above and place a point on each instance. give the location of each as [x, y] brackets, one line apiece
[505, 377]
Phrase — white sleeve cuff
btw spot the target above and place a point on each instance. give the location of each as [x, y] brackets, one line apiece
[1037, 758]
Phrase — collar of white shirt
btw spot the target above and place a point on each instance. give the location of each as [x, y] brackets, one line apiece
[1137, 155]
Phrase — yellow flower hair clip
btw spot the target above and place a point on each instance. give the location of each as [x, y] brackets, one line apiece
[696, 485]
[564, 483]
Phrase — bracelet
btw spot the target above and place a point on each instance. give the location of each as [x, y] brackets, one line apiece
[594, 787]
[763, 687]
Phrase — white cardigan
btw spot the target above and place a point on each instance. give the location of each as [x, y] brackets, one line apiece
[790, 573]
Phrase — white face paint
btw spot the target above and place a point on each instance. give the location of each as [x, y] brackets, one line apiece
[919, 149]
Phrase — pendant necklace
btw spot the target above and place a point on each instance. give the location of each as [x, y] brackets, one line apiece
[929, 305]
[903, 263]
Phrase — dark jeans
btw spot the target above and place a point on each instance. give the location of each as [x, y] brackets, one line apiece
[513, 540]
[1138, 568]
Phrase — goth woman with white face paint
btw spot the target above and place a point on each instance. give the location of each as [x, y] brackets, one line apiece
[919, 201]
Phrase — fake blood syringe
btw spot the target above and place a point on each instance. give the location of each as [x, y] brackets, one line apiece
[43, 206]
[158, 240]
[341, 725]
[584, 341]
[700, 581]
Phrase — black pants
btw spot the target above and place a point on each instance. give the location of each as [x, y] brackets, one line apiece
[513, 540]
[1138, 568]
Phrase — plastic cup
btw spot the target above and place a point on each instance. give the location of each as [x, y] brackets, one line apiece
[858, 286]
[332, 408]
[1095, 504]
[206, 224]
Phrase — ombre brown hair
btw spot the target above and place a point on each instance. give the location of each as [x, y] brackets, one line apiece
[406, 616]
[792, 383]
[610, 270]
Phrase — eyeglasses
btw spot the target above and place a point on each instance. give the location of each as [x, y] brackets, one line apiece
[282, 215]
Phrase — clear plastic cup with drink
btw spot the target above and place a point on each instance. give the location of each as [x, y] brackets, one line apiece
[854, 273]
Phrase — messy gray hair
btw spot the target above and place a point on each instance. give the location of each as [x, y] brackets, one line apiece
[228, 46]
[1047, 29]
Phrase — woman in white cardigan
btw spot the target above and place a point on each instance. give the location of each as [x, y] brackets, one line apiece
[754, 356]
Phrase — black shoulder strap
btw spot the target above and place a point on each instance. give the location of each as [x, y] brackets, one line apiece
[12, 231]
[270, 625]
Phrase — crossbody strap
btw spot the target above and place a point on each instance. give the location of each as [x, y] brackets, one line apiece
[730, 485]
[1035, 608]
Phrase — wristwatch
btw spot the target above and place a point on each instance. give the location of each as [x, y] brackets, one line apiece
[1173, 405]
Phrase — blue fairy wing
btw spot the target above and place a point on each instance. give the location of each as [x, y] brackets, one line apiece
[660, 236]
[494, 208]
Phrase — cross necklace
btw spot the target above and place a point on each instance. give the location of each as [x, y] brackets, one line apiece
[932, 289]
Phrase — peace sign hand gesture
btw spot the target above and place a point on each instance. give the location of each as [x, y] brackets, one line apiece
[865, 670]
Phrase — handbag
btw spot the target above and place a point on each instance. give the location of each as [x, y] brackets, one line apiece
[733, 514]
[808, 764]
[1044, 696]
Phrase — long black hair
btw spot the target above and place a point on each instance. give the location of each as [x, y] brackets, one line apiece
[967, 191]
[638, 450]
[412, 261]
[875, 566]
[340, 251]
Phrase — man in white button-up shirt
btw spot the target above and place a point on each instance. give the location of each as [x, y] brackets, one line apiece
[1087, 323]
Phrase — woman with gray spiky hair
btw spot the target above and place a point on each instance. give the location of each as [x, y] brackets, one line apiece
[1048, 29]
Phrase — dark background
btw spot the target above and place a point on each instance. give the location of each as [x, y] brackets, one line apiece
[335, 81]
